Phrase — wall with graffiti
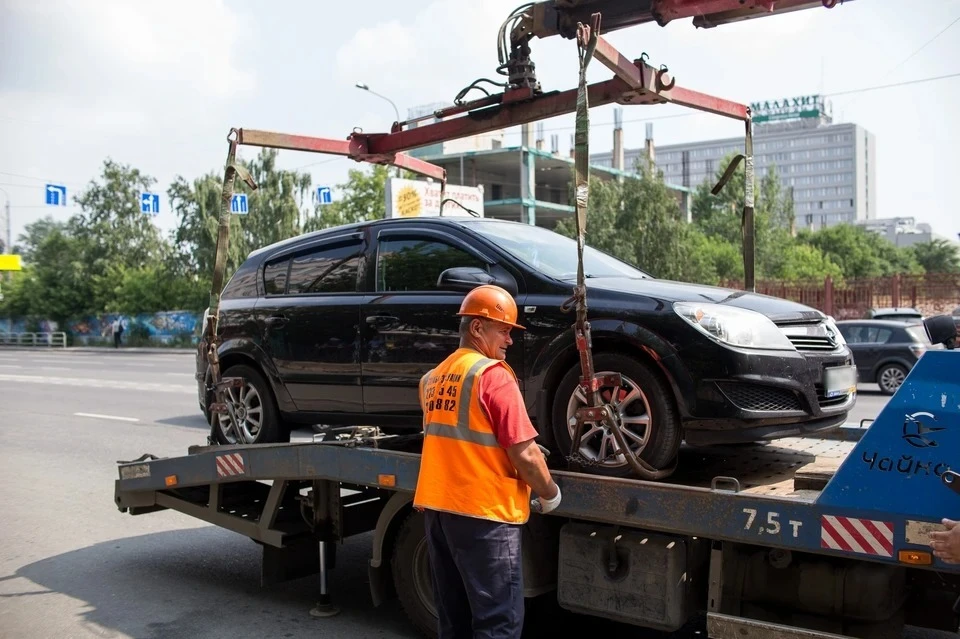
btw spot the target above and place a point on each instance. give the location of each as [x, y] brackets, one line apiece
[172, 328]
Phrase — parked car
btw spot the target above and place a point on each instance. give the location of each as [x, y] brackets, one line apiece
[885, 350]
[338, 326]
[907, 314]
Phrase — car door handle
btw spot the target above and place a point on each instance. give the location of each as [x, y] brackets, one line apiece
[382, 321]
[276, 320]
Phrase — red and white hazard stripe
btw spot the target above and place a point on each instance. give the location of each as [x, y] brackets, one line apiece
[864, 536]
[230, 465]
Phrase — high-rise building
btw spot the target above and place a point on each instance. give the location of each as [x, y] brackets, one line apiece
[830, 168]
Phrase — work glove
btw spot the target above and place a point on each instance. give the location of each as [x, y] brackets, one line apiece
[544, 506]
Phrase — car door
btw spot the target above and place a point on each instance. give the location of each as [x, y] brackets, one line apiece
[309, 317]
[409, 325]
[861, 338]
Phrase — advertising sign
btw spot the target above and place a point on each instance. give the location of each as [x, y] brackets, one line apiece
[417, 198]
[808, 106]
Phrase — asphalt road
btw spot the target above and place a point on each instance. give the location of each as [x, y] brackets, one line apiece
[71, 565]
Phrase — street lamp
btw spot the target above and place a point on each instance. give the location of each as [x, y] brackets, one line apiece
[365, 87]
[7, 247]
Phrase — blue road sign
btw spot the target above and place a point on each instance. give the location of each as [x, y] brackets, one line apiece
[56, 195]
[238, 204]
[324, 195]
[150, 203]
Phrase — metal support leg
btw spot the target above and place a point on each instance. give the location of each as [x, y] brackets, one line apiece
[324, 607]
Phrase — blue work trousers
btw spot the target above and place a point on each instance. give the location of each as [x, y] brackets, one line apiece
[477, 576]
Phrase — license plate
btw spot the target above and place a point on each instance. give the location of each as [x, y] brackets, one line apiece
[840, 380]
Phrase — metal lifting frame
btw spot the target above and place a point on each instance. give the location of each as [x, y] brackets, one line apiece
[634, 83]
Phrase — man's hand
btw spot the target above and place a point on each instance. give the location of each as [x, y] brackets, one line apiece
[946, 544]
[543, 505]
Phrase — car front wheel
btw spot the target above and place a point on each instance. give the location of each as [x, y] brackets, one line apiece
[257, 417]
[647, 414]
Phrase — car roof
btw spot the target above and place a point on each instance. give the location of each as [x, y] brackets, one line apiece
[357, 226]
[881, 323]
[895, 310]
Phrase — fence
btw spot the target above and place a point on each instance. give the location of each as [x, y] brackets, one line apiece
[931, 293]
[57, 339]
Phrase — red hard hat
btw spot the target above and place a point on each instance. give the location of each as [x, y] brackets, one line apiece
[491, 302]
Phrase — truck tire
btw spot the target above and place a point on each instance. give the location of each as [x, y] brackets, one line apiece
[646, 396]
[411, 575]
[260, 418]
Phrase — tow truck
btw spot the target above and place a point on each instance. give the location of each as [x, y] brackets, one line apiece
[824, 537]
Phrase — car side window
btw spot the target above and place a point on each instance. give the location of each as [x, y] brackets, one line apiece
[883, 335]
[275, 277]
[408, 264]
[331, 269]
[855, 334]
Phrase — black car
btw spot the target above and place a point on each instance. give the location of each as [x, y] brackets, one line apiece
[885, 350]
[337, 327]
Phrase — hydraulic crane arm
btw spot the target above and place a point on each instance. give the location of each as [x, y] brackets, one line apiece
[560, 17]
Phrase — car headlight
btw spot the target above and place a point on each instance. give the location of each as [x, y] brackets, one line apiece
[734, 326]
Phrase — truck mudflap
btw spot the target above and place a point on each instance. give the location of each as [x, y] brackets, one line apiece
[729, 627]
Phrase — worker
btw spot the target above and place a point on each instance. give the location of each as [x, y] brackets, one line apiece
[478, 466]
[946, 544]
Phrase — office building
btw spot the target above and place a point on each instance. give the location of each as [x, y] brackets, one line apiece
[831, 168]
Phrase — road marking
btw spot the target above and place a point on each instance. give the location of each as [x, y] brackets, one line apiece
[55, 368]
[10, 366]
[190, 374]
[114, 417]
[99, 383]
[140, 365]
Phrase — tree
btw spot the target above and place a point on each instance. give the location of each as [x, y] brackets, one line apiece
[719, 217]
[639, 221]
[33, 236]
[860, 253]
[195, 239]
[364, 198]
[803, 261]
[937, 256]
[277, 208]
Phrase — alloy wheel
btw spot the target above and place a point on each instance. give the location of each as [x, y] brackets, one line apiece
[596, 442]
[248, 407]
[891, 378]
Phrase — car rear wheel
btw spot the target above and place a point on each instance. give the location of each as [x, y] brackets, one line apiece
[256, 412]
[890, 377]
[645, 405]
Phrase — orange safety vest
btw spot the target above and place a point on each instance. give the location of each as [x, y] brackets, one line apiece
[463, 469]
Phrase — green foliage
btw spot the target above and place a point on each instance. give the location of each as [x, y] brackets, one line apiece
[860, 253]
[938, 256]
[364, 198]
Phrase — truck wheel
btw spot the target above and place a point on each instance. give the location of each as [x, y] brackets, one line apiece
[411, 574]
[256, 411]
[645, 404]
[889, 378]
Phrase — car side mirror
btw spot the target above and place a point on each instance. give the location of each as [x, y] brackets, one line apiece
[941, 330]
[467, 278]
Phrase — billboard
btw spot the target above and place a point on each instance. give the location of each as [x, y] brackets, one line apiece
[417, 198]
[808, 106]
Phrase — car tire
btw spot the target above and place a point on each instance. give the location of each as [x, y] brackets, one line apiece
[412, 579]
[890, 377]
[260, 417]
[662, 433]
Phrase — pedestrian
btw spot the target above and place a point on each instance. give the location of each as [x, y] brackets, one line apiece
[946, 544]
[117, 329]
[478, 466]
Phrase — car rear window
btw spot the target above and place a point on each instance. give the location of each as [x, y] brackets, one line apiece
[326, 270]
[242, 284]
[919, 334]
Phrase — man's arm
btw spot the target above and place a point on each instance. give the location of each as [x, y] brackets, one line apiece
[946, 545]
[532, 468]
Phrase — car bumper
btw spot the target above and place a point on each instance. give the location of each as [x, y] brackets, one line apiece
[755, 396]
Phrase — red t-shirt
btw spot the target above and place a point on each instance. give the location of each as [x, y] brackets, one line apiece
[501, 400]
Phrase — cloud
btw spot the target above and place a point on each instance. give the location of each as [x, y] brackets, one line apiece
[448, 43]
[80, 49]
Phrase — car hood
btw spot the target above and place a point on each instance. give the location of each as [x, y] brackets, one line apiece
[777, 309]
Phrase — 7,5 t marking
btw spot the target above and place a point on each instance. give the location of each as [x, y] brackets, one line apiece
[772, 524]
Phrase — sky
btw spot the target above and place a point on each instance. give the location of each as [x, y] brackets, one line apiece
[159, 85]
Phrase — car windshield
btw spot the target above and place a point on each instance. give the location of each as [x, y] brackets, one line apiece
[550, 253]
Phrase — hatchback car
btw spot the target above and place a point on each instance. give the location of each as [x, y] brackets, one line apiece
[885, 350]
[337, 327]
